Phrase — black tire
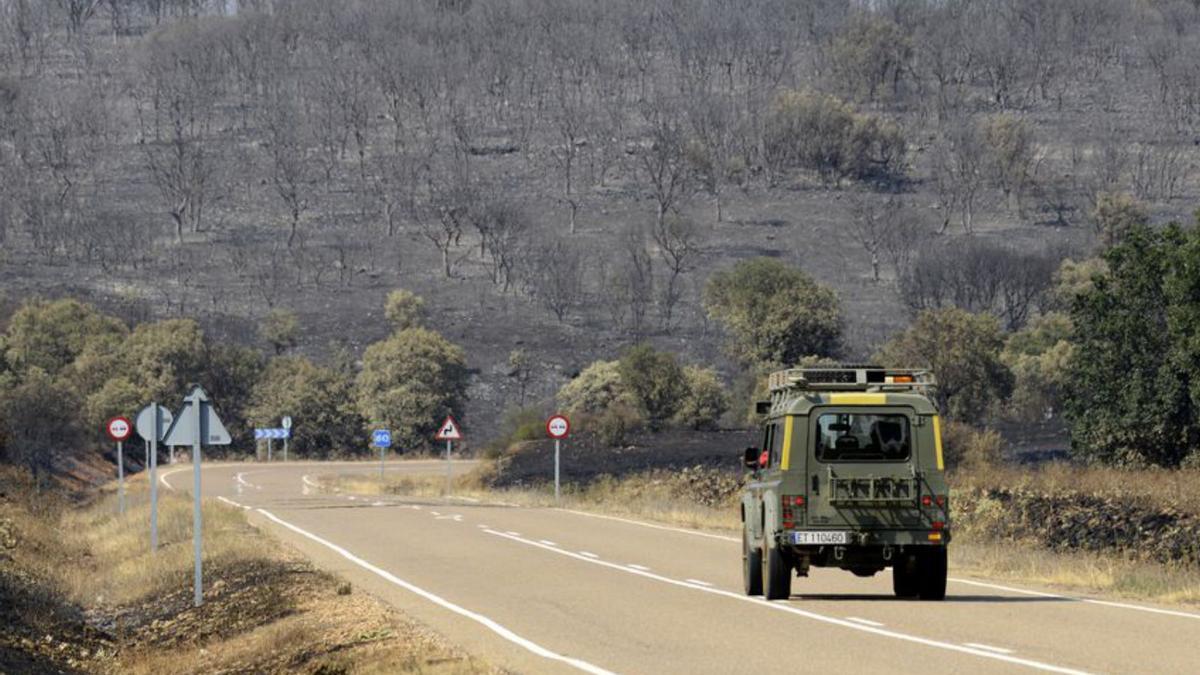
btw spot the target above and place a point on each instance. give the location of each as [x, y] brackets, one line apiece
[933, 571]
[776, 572]
[752, 570]
[904, 577]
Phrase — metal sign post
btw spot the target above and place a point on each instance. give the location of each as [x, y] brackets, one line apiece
[449, 432]
[558, 427]
[269, 449]
[151, 423]
[382, 439]
[119, 429]
[120, 479]
[198, 423]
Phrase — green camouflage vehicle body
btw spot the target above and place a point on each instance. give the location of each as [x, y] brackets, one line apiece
[849, 474]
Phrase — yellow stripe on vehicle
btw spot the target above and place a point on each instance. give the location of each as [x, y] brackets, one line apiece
[937, 442]
[787, 442]
[858, 399]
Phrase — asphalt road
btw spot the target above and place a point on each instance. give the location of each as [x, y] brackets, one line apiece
[539, 590]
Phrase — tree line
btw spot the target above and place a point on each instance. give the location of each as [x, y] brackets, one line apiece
[66, 368]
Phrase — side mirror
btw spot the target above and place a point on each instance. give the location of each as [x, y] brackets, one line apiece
[750, 458]
[762, 407]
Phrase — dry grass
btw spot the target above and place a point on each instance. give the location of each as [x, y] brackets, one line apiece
[121, 569]
[1085, 572]
[1161, 488]
[267, 610]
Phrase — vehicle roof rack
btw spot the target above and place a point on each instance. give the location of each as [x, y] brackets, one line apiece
[851, 378]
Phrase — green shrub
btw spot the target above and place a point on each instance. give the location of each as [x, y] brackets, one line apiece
[963, 351]
[409, 383]
[280, 329]
[614, 425]
[824, 134]
[705, 401]
[594, 390]
[966, 446]
[655, 380]
[404, 309]
[774, 313]
[319, 400]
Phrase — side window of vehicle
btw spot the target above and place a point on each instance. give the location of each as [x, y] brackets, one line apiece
[776, 446]
[768, 442]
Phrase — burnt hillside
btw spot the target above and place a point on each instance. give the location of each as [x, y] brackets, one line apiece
[564, 176]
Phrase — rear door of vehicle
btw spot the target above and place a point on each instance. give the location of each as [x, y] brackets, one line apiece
[860, 467]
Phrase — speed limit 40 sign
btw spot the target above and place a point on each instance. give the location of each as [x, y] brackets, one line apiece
[558, 426]
[119, 429]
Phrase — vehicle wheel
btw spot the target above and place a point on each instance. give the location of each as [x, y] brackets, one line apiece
[933, 574]
[776, 572]
[751, 566]
[904, 577]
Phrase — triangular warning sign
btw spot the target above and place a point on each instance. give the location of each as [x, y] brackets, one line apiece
[449, 430]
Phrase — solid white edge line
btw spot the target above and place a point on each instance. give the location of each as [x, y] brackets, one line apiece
[998, 650]
[548, 542]
[867, 622]
[1011, 589]
[782, 607]
[233, 503]
[638, 567]
[698, 582]
[589, 554]
[442, 602]
[1075, 598]
[162, 477]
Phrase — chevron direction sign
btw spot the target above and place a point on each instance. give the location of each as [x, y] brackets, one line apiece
[272, 433]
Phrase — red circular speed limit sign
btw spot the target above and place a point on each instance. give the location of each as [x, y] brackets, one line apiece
[558, 426]
[119, 428]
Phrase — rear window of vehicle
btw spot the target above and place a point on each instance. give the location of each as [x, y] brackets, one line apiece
[858, 437]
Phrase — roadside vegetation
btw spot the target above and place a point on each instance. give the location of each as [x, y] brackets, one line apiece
[66, 367]
[80, 591]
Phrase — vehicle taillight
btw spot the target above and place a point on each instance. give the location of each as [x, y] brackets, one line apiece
[938, 525]
[941, 501]
[787, 504]
[926, 500]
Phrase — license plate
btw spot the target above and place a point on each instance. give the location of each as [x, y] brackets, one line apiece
[821, 538]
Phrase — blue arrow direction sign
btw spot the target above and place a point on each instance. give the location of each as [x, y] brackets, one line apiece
[381, 438]
[272, 433]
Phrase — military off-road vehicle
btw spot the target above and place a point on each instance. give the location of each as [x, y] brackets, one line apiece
[850, 474]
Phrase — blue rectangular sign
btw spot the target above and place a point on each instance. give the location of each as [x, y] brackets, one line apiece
[381, 438]
[272, 433]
